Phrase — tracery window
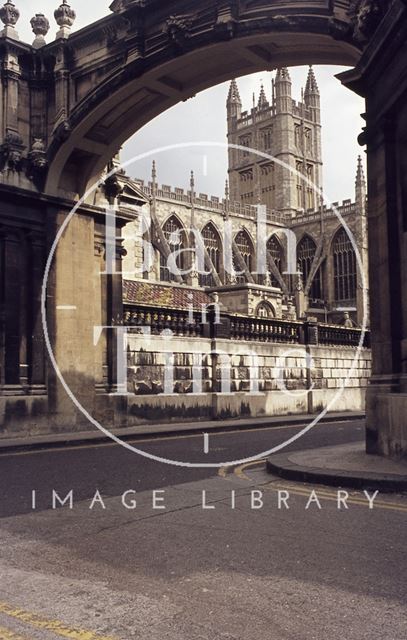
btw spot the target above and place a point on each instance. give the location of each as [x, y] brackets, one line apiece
[305, 256]
[245, 246]
[213, 246]
[176, 237]
[275, 250]
[345, 268]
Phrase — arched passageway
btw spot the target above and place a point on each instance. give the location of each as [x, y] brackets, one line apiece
[90, 92]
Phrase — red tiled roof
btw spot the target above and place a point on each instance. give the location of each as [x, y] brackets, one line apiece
[156, 295]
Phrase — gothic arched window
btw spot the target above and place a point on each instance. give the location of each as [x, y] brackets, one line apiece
[245, 246]
[213, 246]
[275, 251]
[345, 269]
[305, 255]
[175, 235]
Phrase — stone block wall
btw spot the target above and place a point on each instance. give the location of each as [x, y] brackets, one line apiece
[186, 378]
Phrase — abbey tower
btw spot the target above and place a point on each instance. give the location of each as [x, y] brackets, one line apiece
[287, 130]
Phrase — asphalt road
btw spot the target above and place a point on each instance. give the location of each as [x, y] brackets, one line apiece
[214, 559]
[111, 469]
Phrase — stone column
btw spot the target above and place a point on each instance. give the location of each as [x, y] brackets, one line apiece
[36, 343]
[380, 78]
[384, 266]
[72, 317]
[12, 301]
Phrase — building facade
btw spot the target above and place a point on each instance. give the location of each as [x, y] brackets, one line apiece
[292, 257]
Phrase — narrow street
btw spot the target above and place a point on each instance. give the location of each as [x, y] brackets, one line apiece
[195, 554]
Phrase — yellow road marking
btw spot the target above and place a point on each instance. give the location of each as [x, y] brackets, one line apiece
[6, 634]
[240, 471]
[167, 438]
[54, 626]
[223, 472]
[323, 493]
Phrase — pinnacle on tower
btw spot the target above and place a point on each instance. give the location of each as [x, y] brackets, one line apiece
[154, 174]
[234, 95]
[311, 87]
[283, 88]
[263, 102]
[234, 103]
[360, 185]
[283, 75]
[312, 97]
[360, 174]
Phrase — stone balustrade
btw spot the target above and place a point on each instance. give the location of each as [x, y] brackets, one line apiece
[209, 324]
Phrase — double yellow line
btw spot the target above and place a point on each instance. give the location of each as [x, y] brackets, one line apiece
[303, 491]
[35, 621]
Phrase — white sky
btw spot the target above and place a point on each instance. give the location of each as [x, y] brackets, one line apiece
[203, 119]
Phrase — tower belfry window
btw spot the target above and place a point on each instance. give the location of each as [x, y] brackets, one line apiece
[308, 139]
[310, 200]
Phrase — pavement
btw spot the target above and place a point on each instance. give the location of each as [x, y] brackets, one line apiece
[345, 465]
[54, 440]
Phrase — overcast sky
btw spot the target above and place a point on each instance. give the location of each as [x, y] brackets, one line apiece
[203, 119]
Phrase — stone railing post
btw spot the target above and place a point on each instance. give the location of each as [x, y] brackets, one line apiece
[219, 325]
[311, 336]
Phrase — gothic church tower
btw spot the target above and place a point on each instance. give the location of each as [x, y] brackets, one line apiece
[289, 131]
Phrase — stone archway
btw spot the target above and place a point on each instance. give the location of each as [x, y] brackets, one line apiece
[90, 91]
[168, 54]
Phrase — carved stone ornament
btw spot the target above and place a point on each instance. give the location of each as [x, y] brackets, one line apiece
[38, 155]
[367, 15]
[121, 5]
[65, 16]
[299, 284]
[12, 151]
[9, 14]
[37, 162]
[63, 131]
[226, 20]
[40, 26]
[178, 28]
[112, 188]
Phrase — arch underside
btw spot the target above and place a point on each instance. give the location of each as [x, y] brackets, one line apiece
[111, 113]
